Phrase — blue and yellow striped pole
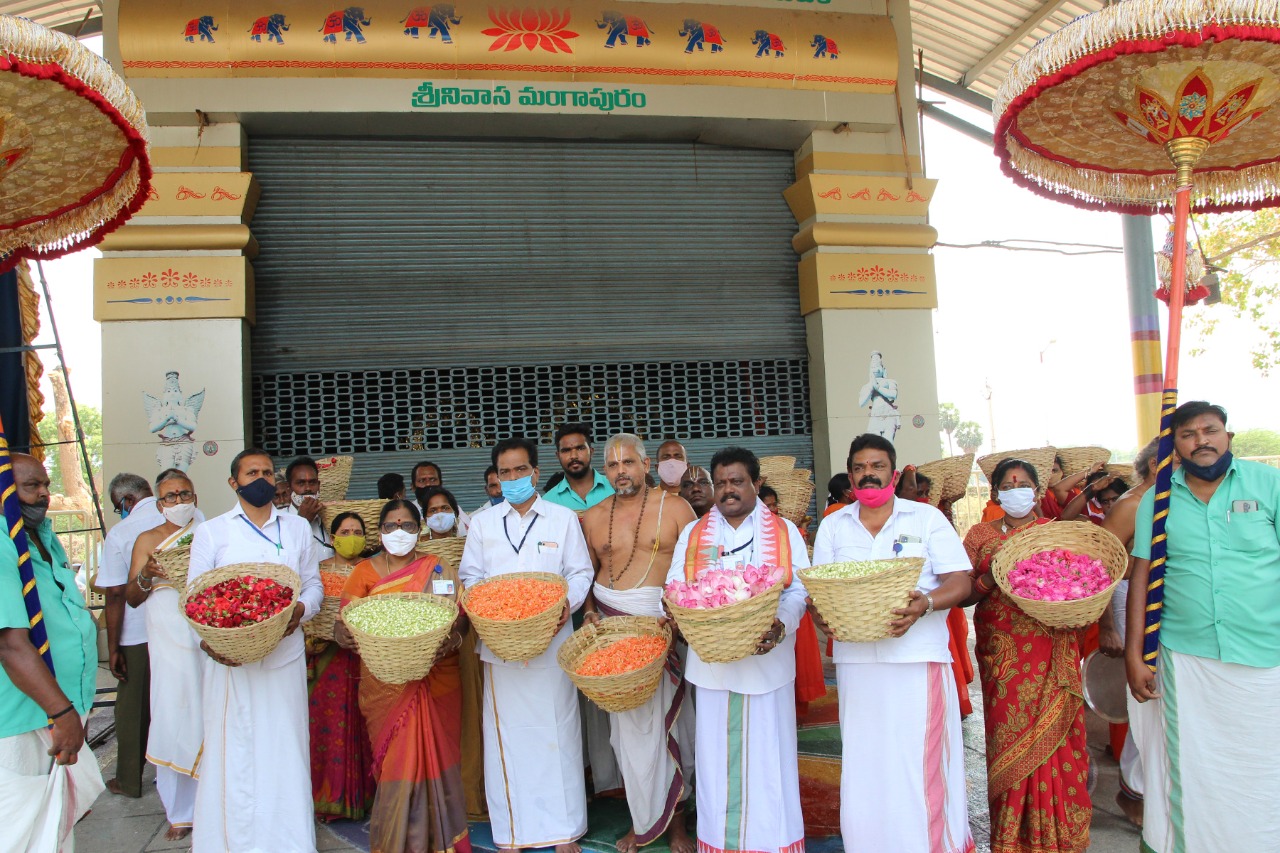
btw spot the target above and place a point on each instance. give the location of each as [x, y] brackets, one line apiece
[1159, 539]
[16, 531]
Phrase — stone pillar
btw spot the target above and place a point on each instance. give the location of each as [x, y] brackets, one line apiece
[174, 293]
[867, 290]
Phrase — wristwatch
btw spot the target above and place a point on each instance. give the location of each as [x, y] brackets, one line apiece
[928, 597]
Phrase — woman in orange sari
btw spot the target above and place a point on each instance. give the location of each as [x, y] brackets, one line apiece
[1037, 758]
[341, 780]
[414, 728]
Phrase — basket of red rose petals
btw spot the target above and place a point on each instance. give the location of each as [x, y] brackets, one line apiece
[242, 610]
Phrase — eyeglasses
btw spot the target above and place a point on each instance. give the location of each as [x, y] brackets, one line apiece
[390, 527]
[185, 496]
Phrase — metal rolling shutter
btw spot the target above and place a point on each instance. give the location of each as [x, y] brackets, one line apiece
[441, 294]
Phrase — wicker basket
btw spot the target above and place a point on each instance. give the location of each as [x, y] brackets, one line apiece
[175, 562]
[1041, 458]
[795, 490]
[950, 477]
[1124, 470]
[859, 610]
[730, 633]
[399, 660]
[449, 550]
[1078, 537]
[625, 691]
[369, 511]
[1078, 459]
[248, 643]
[519, 639]
[319, 628]
[772, 466]
[335, 477]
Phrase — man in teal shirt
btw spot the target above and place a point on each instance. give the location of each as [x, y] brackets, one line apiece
[30, 696]
[583, 486]
[1202, 721]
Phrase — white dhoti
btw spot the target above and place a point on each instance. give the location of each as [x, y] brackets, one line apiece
[748, 791]
[1130, 755]
[176, 735]
[41, 801]
[902, 783]
[532, 757]
[605, 775]
[653, 743]
[1211, 781]
[254, 794]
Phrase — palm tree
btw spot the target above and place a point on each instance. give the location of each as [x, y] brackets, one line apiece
[969, 436]
[949, 419]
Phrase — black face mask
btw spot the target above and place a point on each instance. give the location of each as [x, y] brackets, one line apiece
[34, 514]
[259, 493]
[1208, 473]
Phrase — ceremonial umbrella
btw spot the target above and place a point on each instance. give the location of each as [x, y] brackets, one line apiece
[73, 145]
[1151, 105]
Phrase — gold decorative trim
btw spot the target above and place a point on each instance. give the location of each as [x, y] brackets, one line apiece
[29, 316]
[200, 238]
[864, 234]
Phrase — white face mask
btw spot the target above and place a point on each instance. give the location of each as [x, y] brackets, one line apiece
[1017, 503]
[399, 543]
[442, 522]
[298, 499]
[179, 514]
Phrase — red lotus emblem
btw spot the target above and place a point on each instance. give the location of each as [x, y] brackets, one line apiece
[531, 28]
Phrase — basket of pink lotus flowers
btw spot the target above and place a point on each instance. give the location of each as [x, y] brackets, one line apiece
[1061, 574]
[723, 613]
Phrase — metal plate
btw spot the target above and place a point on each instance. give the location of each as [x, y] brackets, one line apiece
[1106, 687]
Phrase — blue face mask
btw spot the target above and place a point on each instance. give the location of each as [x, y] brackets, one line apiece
[518, 491]
[1208, 473]
[495, 501]
[124, 513]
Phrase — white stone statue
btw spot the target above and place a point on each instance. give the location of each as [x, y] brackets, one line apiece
[880, 395]
[173, 419]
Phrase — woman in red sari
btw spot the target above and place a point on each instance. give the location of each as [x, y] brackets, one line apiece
[341, 763]
[414, 728]
[1037, 758]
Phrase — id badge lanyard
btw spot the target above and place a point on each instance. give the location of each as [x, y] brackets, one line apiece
[278, 542]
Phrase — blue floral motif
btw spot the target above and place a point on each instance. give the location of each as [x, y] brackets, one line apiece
[1192, 106]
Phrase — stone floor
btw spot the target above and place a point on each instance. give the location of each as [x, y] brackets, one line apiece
[120, 825]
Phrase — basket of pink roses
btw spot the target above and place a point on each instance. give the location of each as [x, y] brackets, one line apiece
[1061, 574]
[723, 612]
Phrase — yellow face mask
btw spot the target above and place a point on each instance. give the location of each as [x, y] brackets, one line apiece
[349, 547]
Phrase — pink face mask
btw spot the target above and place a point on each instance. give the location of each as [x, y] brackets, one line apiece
[878, 496]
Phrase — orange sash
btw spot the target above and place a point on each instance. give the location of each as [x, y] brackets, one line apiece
[703, 552]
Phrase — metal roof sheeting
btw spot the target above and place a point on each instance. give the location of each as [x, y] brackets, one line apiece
[973, 43]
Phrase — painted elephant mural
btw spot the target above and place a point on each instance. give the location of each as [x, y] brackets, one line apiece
[700, 33]
[272, 26]
[617, 27]
[768, 41]
[202, 28]
[824, 46]
[348, 21]
[438, 19]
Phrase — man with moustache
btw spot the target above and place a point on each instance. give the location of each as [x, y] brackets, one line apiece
[902, 783]
[303, 477]
[632, 536]
[746, 723]
[696, 489]
[42, 713]
[1207, 696]
[583, 486]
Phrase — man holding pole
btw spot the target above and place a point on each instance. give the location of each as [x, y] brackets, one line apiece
[46, 693]
[1207, 693]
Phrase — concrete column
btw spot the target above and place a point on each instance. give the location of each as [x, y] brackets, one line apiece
[174, 293]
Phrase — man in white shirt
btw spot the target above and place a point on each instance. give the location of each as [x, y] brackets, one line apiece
[303, 477]
[127, 629]
[746, 767]
[532, 733]
[255, 773]
[426, 474]
[902, 785]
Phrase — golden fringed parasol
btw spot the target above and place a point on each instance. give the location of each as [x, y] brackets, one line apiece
[1144, 106]
[73, 145]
